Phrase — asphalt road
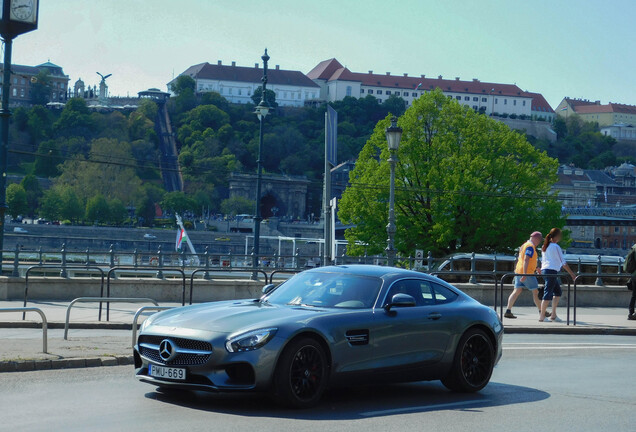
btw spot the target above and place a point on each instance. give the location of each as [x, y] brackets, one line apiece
[544, 383]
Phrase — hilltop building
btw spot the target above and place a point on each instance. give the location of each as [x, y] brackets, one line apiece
[337, 82]
[237, 83]
[23, 77]
[593, 111]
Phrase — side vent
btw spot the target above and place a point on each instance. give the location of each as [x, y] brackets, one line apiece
[357, 337]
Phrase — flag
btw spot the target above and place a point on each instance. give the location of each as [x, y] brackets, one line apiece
[418, 86]
[332, 135]
[605, 195]
[564, 108]
[181, 236]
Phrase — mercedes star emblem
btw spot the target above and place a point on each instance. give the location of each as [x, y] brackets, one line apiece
[167, 350]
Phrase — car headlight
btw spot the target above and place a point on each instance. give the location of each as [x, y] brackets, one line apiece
[250, 341]
[145, 324]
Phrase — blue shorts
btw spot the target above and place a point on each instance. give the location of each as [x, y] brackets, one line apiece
[530, 283]
[552, 285]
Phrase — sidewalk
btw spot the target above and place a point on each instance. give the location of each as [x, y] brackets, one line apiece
[99, 343]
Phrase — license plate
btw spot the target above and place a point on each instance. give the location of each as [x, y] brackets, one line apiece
[167, 372]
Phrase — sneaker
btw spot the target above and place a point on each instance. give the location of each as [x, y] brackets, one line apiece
[556, 319]
[631, 317]
[509, 314]
[544, 320]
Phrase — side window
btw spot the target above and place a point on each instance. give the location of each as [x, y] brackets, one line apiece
[426, 292]
[443, 295]
[420, 290]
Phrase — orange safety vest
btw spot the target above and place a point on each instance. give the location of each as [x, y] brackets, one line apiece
[527, 249]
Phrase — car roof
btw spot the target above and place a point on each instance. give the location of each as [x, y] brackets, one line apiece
[366, 270]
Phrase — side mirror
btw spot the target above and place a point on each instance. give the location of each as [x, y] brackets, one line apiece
[268, 288]
[400, 300]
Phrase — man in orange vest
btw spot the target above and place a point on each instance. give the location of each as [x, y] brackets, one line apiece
[526, 264]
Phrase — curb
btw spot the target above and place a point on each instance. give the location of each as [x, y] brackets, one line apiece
[70, 363]
[103, 325]
[572, 330]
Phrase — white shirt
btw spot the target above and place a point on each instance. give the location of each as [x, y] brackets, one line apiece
[552, 258]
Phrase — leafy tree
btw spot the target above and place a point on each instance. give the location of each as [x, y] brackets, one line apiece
[214, 98]
[71, 205]
[51, 205]
[117, 212]
[178, 202]
[41, 88]
[39, 123]
[97, 209]
[182, 83]
[270, 97]
[184, 88]
[75, 120]
[146, 211]
[464, 182]
[395, 105]
[237, 205]
[17, 200]
[47, 159]
[31, 186]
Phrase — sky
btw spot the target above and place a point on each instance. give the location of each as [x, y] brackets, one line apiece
[574, 48]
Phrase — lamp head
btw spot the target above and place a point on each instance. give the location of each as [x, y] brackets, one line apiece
[393, 134]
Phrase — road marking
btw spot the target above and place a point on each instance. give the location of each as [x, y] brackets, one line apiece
[422, 408]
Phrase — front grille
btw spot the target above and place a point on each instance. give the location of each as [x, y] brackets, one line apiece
[181, 359]
[181, 342]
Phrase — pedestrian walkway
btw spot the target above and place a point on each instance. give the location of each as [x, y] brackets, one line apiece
[99, 343]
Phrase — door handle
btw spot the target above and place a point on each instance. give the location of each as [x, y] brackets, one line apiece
[434, 316]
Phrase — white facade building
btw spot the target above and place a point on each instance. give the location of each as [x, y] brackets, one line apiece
[620, 132]
[337, 82]
[237, 84]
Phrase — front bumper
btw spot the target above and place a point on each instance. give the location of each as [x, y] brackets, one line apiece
[220, 371]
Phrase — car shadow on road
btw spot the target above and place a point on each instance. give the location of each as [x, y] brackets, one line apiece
[357, 402]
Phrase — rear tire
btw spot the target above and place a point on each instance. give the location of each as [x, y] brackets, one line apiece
[473, 363]
[301, 375]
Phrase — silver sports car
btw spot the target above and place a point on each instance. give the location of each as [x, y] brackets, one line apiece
[325, 327]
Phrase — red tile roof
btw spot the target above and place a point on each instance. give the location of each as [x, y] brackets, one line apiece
[609, 108]
[332, 70]
[539, 103]
[325, 69]
[247, 74]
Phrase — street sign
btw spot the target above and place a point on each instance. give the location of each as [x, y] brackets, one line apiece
[419, 258]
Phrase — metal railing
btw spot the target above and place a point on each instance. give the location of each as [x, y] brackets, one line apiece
[45, 323]
[133, 269]
[55, 267]
[208, 270]
[139, 312]
[597, 275]
[102, 299]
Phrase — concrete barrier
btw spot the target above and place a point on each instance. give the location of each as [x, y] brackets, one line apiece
[58, 289]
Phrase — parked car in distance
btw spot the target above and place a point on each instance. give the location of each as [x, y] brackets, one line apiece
[150, 237]
[325, 327]
[20, 230]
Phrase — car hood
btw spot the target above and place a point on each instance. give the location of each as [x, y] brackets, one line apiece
[230, 316]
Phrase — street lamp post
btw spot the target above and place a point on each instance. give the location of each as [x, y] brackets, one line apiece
[261, 111]
[16, 17]
[393, 137]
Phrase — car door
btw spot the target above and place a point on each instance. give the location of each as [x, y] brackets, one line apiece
[410, 335]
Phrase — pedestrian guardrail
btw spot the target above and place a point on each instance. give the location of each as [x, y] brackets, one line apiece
[55, 267]
[136, 270]
[108, 300]
[139, 312]
[597, 275]
[275, 272]
[45, 323]
[207, 271]
[543, 276]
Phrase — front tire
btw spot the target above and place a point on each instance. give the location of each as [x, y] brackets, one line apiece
[301, 374]
[473, 363]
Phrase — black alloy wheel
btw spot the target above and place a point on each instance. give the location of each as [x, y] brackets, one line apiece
[473, 363]
[301, 375]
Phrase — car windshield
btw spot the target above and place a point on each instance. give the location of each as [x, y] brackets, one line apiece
[332, 290]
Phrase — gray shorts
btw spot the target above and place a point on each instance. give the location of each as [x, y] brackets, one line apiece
[530, 283]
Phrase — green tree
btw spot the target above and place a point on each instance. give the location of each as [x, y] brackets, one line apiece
[31, 186]
[117, 212]
[75, 120]
[47, 159]
[237, 205]
[270, 97]
[184, 88]
[178, 202]
[17, 200]
[464, 182]
[41, 88]
[71, 205]
[51, 205]
[395, 105]
[97, 209]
